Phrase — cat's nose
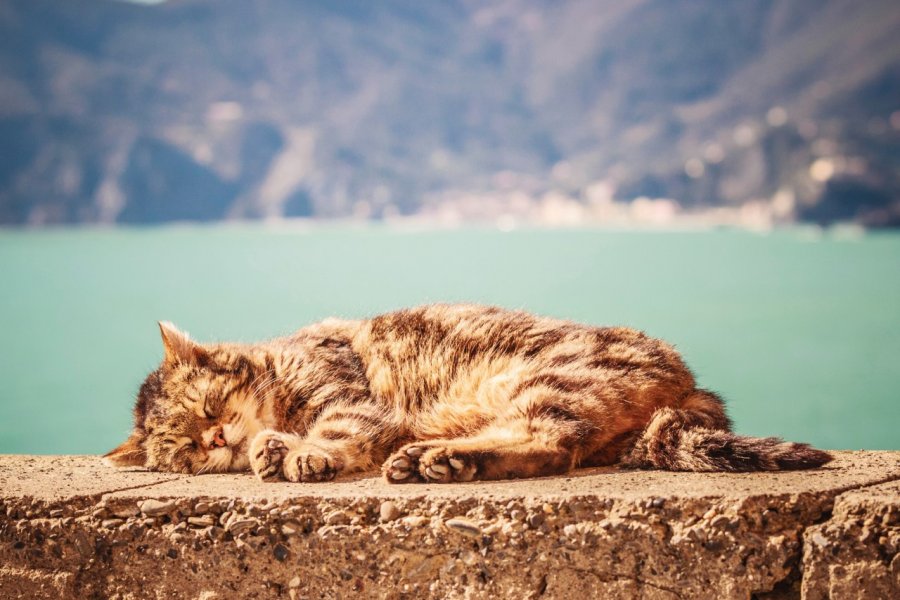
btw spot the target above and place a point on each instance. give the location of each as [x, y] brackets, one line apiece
[219, 438]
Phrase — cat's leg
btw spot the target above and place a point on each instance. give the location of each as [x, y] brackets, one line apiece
[495, 454]
[543, 433]
[343, 439]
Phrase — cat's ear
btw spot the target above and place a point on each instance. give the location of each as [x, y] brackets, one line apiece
[130, 454]
[179, 347]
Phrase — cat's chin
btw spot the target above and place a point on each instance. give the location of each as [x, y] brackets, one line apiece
[240, 462]
[239, 459]
[228, 459]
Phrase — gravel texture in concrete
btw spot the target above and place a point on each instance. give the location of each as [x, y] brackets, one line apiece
[71, 527]
[858, 544]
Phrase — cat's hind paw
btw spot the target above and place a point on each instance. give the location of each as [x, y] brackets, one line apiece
[310, 463]
[442, 465]
[403, 465]
[417, 463]
[267, 452]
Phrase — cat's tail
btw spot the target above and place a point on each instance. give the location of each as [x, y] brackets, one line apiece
[696, 437]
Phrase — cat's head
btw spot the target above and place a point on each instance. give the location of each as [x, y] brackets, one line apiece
[197, 412]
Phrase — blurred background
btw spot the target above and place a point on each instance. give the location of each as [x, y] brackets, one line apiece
[725, 175]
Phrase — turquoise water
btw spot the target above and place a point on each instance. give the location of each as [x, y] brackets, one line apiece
[800, 332]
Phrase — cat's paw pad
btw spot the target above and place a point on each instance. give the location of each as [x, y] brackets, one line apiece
[403, 466]
[441, 465]
[309, 463]
[267, 454]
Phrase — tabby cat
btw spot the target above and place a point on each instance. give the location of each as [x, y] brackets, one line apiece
[439, 393]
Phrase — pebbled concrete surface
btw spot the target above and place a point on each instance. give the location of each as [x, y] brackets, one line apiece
[854, 553]
[71, 527]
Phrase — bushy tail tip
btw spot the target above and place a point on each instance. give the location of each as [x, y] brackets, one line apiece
[725, 451]
[667, 443]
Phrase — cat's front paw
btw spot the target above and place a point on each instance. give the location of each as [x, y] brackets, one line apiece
[310, 463]
[267, 452]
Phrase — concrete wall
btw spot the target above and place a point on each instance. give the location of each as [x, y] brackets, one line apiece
[72, 528]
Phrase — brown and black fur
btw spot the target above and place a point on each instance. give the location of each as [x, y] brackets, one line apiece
[438, 393]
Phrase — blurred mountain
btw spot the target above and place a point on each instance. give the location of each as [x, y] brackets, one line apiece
[196, 110]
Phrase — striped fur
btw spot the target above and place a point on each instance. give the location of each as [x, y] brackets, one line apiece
[438, 393]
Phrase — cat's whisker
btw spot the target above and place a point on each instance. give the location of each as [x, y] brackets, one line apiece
[267, 386]
[257, 393]
[271, 377]
[258, 377]
[260, 380]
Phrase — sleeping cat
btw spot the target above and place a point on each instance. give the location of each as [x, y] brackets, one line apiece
[439, 393]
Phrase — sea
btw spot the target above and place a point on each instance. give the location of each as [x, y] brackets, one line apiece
[799, 329]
